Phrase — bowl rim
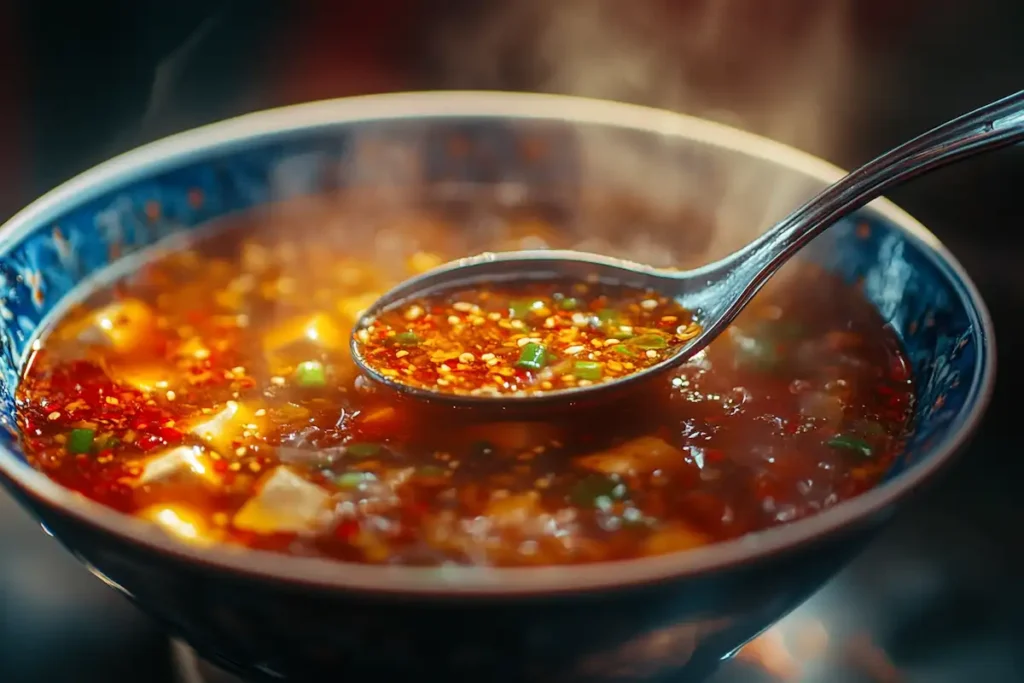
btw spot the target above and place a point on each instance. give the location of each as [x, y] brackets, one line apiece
[179, 149]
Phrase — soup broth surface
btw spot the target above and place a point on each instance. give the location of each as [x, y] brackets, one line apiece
[212, 392]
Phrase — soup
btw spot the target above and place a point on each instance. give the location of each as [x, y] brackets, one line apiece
[524, 338]
[212, 393]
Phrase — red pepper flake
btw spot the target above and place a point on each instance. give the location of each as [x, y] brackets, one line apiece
[346, 530]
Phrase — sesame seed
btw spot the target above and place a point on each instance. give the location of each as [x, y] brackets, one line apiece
[454, 320]
[573, 350]
[466, 358]
[277, 381]
[414, 312]
[55, 415]
[402, 354]
[462, 306]
[651, 353]
[648, 304]
[487, 356]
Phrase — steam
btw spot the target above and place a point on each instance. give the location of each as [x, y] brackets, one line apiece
[783, 71]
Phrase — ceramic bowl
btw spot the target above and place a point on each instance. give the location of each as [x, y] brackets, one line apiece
[672, 189]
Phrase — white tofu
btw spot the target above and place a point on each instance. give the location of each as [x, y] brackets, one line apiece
[285, 503]
[180, 460]
[122, 326]
[231, 423]
[179, 522]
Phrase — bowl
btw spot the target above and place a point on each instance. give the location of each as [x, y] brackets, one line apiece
[675, 190]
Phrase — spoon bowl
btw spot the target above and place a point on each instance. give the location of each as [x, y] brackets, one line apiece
[715, 293]
[544, 265]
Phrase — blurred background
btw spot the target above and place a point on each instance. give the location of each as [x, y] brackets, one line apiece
[937, 598]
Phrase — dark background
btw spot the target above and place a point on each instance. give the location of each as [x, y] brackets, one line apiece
[938, 598]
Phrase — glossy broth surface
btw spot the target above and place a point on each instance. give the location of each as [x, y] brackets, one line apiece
[213, 393]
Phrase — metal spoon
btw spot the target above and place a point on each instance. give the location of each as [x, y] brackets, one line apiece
[717, 292]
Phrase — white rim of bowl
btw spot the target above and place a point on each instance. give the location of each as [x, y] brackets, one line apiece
[445, 581]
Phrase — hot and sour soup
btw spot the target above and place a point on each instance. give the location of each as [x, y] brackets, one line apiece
[213, 393]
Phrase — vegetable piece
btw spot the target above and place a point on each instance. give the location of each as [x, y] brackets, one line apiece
[532, 357]
[642, 455]
[187, 461]
[587, 369]
[649, 341]
[522, 308]
[81, 440]
[569, 304]
[850, 442]
[363, 450]
[598, 491]
[431, 471]
[351, 480]
[624, 350]
[404, 339]
[285, 503]
[311, 374]
[608, 316]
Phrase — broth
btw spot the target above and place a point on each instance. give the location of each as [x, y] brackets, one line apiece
[212, 392]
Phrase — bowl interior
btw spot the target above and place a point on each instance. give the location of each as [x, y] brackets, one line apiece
[660, 188]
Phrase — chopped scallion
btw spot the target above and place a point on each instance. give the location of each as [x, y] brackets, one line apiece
[362, 450]
[532, 357]
[853, 443]
[404, 339]
[597, 491]
[569, 304]
[310, 374]
[607, 316]
[624, 350]
[520, 309]
[649, 341]
[587, 369]
[81, 440]
[351, 480]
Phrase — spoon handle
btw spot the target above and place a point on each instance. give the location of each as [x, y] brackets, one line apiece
[995, 125]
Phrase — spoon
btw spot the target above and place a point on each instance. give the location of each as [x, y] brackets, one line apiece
[715, 293]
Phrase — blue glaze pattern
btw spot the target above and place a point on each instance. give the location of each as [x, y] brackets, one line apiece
[916, 293]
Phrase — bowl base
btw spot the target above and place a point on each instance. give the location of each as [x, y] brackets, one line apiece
[189, 667]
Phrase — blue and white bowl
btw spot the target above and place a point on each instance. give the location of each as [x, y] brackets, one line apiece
[601, 169]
